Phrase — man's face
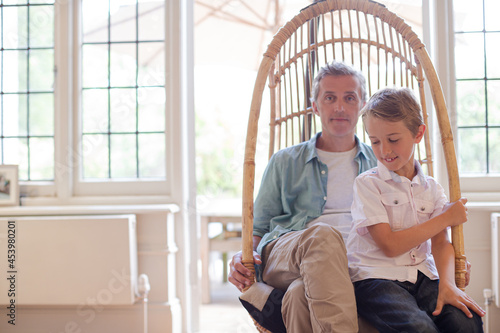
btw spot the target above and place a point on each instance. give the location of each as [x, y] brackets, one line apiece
[338, 104]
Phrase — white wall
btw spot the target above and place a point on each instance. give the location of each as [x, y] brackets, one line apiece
[477, 238]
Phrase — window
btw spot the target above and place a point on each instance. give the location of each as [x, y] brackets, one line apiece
[27, 88]
[85, 102]
[123, 89]
[477, 40]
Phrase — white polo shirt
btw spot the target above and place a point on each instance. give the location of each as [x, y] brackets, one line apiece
[382, 196]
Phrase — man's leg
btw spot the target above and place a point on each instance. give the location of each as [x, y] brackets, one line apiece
[295, 309]
[318, 256]
[390, 307]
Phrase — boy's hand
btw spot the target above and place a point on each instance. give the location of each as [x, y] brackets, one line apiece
[238, 273]
[457, 212]
[450, 294]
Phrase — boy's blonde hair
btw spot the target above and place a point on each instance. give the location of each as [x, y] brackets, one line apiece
[393, 104]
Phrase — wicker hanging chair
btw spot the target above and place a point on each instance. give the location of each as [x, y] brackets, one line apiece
[368, 36]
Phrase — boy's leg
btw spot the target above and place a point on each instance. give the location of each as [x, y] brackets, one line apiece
[451, 318]
[318, 256]
[390, 307]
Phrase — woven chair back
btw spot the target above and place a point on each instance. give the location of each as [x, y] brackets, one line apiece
[366, 35]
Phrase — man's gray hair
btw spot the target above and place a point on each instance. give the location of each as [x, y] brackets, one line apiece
[336, 68]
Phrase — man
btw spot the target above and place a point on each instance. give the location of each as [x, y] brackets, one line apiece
[302, 211]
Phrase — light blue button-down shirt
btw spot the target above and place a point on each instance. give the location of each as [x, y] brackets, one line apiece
[293, 189]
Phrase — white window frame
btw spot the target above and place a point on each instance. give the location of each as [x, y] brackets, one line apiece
[67, 187]
[442, 36]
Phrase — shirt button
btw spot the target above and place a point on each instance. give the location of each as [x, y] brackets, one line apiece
[275, 236]
[323, 172]
[324, 198]
[422, 209]
[396, 202]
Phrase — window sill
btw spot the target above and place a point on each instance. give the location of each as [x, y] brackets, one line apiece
[86, 209]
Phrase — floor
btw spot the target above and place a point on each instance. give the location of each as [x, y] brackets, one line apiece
[224, 314]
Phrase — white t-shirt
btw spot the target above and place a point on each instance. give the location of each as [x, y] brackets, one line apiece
[342, 170]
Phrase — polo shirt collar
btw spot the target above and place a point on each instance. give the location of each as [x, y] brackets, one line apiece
[386, 174]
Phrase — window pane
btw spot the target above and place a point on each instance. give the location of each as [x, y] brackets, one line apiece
[42, 158]
[493, 103]
[151, 109]
[151, 64]
[15, 27]
[41, 73]
[136, 91]
[41, 26]
[95, 156]
[15, 2]
[151, 16]
[492, 51]
[491, 10]
[95, 66]
[27, 76]
[123, 110]
[470, 103]
[123, 65]
[16, 152]
[152, 155]
[95, 20]
[123, 21]
[41, 1]
[95, 111]
[472, 147]
[14, 71]
[468, 17]
[15, 115]
[494, 150]
[468, 64]
[41, 115]
[123, 156]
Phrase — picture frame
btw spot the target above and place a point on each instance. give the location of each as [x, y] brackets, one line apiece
[9, 185]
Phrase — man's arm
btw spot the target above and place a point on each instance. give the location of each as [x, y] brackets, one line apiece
[267, 205]
[239, 274]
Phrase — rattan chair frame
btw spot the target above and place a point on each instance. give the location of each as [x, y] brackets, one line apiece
[367, 35]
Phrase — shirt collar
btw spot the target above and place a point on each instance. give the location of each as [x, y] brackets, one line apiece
[313, 153]
[386, 174]
[364, 150]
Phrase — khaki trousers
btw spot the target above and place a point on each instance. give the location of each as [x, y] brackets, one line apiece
[311, 266]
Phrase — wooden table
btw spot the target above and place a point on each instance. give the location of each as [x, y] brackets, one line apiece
[227, 241]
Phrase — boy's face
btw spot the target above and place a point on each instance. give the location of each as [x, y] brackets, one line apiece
[338, 105]
[393, 144]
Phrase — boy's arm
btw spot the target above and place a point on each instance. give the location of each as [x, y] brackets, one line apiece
[444, 256]
[395, 243]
